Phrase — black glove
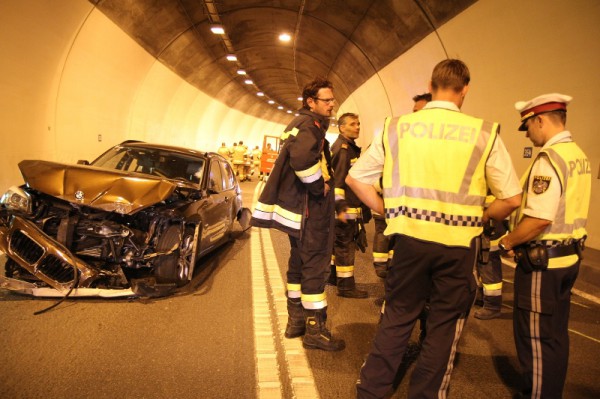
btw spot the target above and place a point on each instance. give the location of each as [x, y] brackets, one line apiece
[360, 237]
[366, 213]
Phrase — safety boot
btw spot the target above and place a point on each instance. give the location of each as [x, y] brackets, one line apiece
[347, 288]
[296, 325]
[332, 280]
[380, 269]
[487, 313]
[317, 335]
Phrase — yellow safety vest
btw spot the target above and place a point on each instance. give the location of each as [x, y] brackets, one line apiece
[434, 185]
[574, 173]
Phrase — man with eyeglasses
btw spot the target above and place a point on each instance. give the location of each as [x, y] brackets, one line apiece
[298, 200]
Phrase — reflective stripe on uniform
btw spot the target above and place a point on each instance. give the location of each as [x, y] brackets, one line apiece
[314, 301]
[340, 194]
[293, 290]
[354, 213]
[285, 135]
[492, 289]
[311, 174]
[434, 216]
[380, 256]
[344, 271]
[278, 214]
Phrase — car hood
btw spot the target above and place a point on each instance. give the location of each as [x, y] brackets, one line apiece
[106, 189]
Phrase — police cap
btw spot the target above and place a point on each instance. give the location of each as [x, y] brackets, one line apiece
[540, 104]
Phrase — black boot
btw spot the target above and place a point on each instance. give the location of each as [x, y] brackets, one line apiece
[317, 335]
[332, 280]
[380, 269]
[347, 288]
[296, 325]
[491, 309]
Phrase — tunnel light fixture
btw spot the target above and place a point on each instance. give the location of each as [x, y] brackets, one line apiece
[217, 29]
[289, 111]
[280, 107]
[296, 114]
[248, 81]
[241, 72]
[299, 98]
[271, 102]
[285, 37]
[260, 94]
[231, 57]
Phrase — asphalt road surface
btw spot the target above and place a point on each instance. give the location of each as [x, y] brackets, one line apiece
[221, 337]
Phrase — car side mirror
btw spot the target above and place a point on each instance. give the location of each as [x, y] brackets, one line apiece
[83, 162]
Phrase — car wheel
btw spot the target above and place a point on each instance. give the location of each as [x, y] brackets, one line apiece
[175, 267]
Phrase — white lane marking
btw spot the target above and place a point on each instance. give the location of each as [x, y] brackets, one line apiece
[296, 363]
[301, 377]
[267, 370]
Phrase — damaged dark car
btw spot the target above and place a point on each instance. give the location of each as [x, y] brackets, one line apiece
[134, 222]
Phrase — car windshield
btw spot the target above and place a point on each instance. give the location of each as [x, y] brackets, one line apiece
[155, 162]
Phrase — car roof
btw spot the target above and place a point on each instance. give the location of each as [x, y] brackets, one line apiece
[183, 150]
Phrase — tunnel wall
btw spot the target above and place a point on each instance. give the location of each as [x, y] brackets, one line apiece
[515, 50]
[73, 84]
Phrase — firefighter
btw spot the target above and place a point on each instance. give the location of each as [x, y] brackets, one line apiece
[239, 153]
[224, 151]
[349, 225]
[547, 236]
[256, 155]
[298, 199]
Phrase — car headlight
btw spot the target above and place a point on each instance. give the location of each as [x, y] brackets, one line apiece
[17, 199]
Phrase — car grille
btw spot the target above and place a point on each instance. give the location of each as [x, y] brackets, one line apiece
[57, 269]
[32, 253]
[25, 247]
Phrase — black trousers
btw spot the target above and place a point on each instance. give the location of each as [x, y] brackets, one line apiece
[381, 243]
[419, 270]
[344, 248]
[310, 255]
[541, 322]
[490, 275]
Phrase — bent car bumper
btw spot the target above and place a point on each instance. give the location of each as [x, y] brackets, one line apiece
[42, 256]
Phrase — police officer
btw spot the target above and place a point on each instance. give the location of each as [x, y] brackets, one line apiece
[489, 269]
[300, 185]
[344, 153]
[437, 165]
[547, 234]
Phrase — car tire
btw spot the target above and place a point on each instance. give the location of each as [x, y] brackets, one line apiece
[175, 267]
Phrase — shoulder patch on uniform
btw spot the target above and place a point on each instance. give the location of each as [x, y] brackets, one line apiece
[344, 146]
[541, 184]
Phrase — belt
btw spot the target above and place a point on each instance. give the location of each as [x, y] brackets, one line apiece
[562, 250]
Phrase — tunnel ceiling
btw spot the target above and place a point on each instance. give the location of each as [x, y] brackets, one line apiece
[346, 41]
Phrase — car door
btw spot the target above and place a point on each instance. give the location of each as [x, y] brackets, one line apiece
[216, 210]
